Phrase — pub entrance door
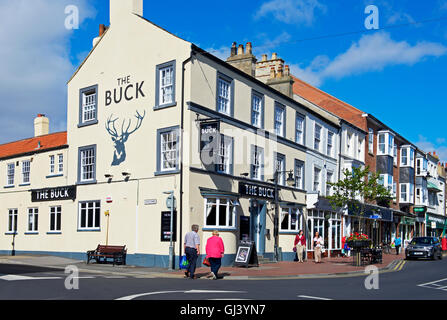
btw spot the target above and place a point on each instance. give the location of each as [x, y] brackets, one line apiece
[258, 210]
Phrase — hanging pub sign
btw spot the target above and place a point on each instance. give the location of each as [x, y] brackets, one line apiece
[250, 190]
[54, 194]
[166, 226]
[246, 255]
[209, 142]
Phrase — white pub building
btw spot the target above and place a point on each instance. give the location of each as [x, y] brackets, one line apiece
[149, 113]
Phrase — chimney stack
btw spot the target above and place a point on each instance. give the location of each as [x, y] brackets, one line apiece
[41, 125]
[120, 9]
[242, 59]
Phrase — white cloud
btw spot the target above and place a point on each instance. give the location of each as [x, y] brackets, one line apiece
[291, 11]
[400, 17]
[427, 146]
[222, 53]
[371, 53]
[35, 63]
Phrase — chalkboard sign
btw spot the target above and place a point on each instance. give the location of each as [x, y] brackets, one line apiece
[166, 226]
[246, 255]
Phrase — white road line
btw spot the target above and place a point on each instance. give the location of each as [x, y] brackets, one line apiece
[164, 292]
[316, 298]
[428, 283]
[12, 277]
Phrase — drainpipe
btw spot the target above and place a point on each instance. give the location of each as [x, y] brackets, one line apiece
[182, 126]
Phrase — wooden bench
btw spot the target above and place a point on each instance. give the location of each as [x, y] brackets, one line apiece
[103, 253]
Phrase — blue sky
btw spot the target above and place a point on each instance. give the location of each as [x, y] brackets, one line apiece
[396, 74]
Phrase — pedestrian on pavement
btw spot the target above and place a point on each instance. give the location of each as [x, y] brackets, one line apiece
[318, 244]
[397, 243]
[215, 250]
[300, 244]
[192, 250]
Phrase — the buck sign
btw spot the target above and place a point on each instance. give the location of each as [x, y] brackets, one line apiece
[129, 92]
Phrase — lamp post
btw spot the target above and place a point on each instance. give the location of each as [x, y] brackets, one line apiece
[290, 182]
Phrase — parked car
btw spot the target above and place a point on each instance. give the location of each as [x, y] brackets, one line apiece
[424, 247]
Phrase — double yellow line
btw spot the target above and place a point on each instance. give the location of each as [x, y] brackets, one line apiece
[399, 265]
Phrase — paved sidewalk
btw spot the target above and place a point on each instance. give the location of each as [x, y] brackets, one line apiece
[330, 267]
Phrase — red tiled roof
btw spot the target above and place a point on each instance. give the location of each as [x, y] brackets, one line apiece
[48, 141]
[328, 102]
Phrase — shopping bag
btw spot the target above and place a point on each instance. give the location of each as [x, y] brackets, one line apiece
[294, 249]
[206, 262]
[184, 263]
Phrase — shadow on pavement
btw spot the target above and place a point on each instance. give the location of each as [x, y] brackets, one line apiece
[24, 269]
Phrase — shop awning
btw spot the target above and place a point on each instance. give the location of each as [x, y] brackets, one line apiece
[435, 221]
[433, 187]
[407, 221]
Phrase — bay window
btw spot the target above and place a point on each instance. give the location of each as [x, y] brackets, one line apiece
[385, 143]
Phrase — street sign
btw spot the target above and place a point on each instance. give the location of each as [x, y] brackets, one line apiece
[149, 202]
[166, 226]
[171, 202]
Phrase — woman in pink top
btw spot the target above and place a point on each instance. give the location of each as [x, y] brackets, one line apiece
[214, 252]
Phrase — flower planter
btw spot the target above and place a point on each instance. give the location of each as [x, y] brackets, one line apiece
[358, 244]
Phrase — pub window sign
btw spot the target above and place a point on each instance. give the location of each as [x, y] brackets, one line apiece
[54, 194]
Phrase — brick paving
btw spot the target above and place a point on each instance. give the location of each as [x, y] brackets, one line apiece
[291, 268]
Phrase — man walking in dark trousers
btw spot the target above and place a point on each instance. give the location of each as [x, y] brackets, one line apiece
[192, 250]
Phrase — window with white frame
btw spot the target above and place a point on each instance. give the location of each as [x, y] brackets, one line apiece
[225, 155]
[10, 174]
[329, 178]
[299, 137]
[169, 150]
[371, 140]
[387, 181]
[33, 219]
[89, 215]
[290, 220]
[280, 114]
[60, 164]
[280, 167]
[359, 148]
[52, 164]
[12, 220]
[407, 156]
[166, 85]
[317, 137]
[26, 168]
[88, 105]
[349, 144]
[87, 163]
[299, 174]
[406, 192]
[316, 178]
[404, 157]
[330, 143]
[256, 110]
[224, 95]
[257, 165]
[385, 143]
[220, 213]
[55, 218]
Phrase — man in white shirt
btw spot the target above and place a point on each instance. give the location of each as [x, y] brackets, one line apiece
[318, 244]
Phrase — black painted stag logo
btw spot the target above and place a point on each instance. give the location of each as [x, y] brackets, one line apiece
[119, 140]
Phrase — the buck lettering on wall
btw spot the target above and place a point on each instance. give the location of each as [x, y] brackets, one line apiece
[120, 139]
[129, 92]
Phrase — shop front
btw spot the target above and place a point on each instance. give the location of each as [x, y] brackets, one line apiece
[407, 229]
[435, 225]
[376, 222]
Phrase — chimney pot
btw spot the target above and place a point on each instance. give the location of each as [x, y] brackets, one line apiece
[240, 50]
[102, 29]
[264, 57]
[249, 48]
[274, 56]
[233, 49]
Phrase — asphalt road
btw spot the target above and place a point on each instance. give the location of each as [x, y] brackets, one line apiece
[418, 280]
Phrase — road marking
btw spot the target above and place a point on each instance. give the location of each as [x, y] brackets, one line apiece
[12, 277]
[164, 292]
[434, 285]
[316, 298]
